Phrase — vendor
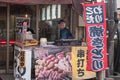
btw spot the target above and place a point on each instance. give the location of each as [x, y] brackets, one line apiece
[25, 28]
[64, 32]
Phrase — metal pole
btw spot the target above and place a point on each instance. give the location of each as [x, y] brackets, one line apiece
[8, 27]
[101, 75]
[37, 21]
[112, 27]
[71, 18]
[115, 8]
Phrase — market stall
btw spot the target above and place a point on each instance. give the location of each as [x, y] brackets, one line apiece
[64, 59]
[51, 62]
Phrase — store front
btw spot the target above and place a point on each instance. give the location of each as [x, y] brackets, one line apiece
[40, 17]
[3, 36]
[6, 52]
[11, 17]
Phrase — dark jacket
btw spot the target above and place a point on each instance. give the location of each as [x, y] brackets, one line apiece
[28, 29]
[66, 34]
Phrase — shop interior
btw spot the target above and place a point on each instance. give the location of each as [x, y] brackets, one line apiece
[49, 15]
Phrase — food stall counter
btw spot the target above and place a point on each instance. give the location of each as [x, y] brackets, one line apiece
[22, 61]
[51, 62]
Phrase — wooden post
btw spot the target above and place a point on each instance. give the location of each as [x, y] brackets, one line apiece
[8, 29]
[37, 21]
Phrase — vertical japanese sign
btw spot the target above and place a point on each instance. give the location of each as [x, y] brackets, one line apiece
[95, 21]
[22, 59]
[22, 63]
[79, 62]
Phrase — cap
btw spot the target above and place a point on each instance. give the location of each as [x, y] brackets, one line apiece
[61, 21]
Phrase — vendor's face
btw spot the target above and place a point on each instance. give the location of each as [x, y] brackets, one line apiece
[62, 25]
[25, 24]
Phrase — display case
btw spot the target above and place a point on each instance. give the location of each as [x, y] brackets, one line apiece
[61, 63]
[26, 39]
[53, 63]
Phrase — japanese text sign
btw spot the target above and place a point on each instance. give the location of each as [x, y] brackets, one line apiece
[22, 63]
[79, 62]
[22, 59]
[95, 21]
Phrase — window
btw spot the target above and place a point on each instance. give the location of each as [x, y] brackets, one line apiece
[59, 11]
[51, 12]
[48, 13]
[43, 13]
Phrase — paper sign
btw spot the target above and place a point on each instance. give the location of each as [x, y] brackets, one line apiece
[79, 63]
